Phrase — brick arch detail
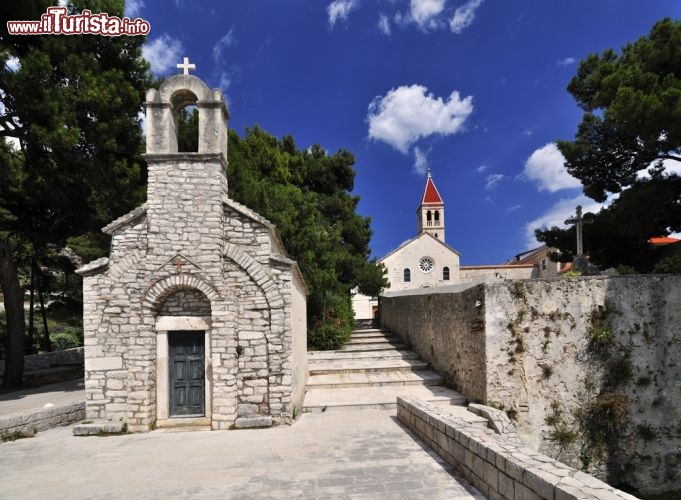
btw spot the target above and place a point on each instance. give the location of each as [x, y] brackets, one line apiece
[257, 272]
[154, 296]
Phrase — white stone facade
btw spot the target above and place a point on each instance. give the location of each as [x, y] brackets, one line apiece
[193, 260]
[422, 262]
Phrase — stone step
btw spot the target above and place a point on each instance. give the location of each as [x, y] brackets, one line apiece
[378, 341]
[373, 347]
[365, 365]
[371, 330]
[313, 356]
[373, 379]
[365, 335]
[365, 398]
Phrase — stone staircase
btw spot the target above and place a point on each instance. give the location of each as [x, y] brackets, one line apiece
[369, 372]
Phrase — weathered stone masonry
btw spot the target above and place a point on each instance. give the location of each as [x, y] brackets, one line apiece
[192, 260]
[550, 350]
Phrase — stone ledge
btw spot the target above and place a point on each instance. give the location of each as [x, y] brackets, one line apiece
[498, 421]
[496, 466]
[43, 418]
[99, 428]
[253, 422]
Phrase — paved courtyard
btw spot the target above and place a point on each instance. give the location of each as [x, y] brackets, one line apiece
[362, 455]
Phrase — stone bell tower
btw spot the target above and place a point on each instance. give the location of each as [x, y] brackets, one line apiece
[431, 211]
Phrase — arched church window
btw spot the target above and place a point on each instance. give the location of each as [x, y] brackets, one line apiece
[429, 218]
[407, 275]
[437, 217]
[445, 273]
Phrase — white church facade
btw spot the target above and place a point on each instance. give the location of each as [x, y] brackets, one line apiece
[427, 261]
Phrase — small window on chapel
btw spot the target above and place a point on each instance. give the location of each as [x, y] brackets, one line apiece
[437, 217]
[407, 275]
[445, 273]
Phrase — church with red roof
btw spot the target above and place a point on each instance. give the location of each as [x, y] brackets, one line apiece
[427, 261]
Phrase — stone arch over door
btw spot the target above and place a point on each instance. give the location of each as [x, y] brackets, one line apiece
[181, 303]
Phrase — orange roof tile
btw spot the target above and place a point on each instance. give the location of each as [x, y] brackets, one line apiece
[663, 240]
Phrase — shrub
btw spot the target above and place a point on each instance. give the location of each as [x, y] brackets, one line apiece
[671, 265]
[61, 341]
[333, 329]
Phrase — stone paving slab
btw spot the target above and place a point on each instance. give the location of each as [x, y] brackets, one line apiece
[332, 455]
[59, 394]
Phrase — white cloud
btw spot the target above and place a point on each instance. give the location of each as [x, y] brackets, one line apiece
[464, 16]
[226, 41]
[13, 64]
[384, 24]
[481, 168]
[670, 167]
[142, 117]
[568, 61]
[133, 8]
[492, 180]
[425, 13]
[340, 10]
[514, 208]
[163, 53]
[546, 166]
[224, 81]
[408, 113]
[557, 215]
[420, 161]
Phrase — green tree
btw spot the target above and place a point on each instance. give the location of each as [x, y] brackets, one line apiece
[632, 111]
[631, 122]
[78, 167]
[619, 233]
[307, 195]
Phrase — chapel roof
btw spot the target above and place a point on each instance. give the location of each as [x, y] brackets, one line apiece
[430, 193]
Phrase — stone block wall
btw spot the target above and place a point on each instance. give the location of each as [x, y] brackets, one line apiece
[568, 358]
[497, 467]
[246, 297]
[445, 326]
[44, 360]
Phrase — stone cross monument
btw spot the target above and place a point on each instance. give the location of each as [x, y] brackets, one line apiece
[578, 222]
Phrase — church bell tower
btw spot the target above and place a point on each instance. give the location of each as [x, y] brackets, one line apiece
[431, 211]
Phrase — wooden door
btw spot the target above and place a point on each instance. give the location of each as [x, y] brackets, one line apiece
[187, 379]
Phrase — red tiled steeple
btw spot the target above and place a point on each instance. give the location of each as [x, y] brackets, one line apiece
[431, 194]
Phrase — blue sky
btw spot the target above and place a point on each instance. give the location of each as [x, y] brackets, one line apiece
[474, 89]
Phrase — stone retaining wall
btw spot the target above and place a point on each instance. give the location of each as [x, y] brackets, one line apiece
[559, 354]
[497, 467]
[44, 360]
[42, 419]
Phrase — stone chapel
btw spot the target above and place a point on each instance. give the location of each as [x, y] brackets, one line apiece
[198, 316]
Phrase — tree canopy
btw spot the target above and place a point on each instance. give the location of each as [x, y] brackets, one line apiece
[78, 163]
[631, 123]
[307, 194]
[632, 104]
